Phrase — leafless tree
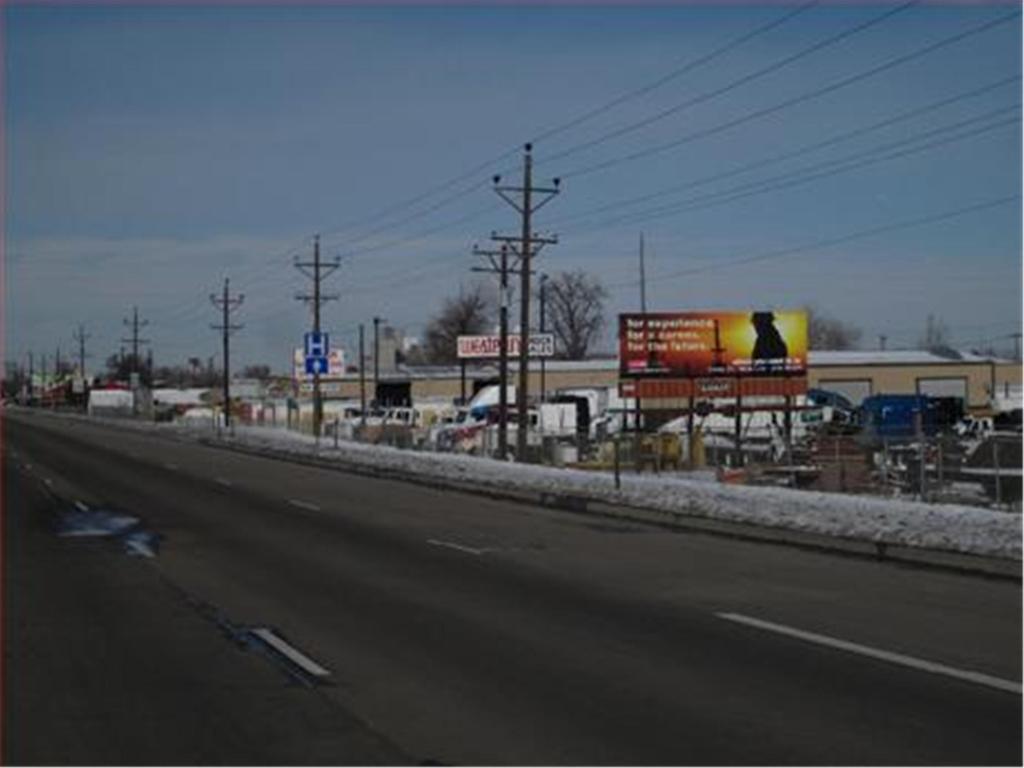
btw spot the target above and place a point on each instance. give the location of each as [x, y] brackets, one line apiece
[827, 332]
[465, 314]
[576, 311]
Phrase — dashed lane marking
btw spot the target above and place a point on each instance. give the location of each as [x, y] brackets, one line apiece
[223, 481]
[877, 653]
[81, 507]
[170, 466]
[304, 505]
[290, 652]
[459, 547]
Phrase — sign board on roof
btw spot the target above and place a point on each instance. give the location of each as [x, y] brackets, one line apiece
[541, 345]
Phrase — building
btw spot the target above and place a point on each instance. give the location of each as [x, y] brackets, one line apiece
[857, 374]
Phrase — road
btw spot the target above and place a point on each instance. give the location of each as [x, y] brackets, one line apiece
[463, 630]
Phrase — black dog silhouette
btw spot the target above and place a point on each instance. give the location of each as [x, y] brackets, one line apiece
[770, 344]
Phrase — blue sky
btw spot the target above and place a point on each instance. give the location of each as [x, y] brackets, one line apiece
[152, 151]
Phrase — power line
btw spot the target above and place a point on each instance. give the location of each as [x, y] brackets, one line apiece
[799, 99]
[793, 154]
[806, 175]
[831, 242]
[689, 66]
[738, 83]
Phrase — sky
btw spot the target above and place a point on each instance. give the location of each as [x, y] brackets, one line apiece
[861, 158]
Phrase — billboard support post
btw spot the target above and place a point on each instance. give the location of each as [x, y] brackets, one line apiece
[739, 425]
[689, 434]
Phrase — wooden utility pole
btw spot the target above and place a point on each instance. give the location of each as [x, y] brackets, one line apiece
[501, 268]
[376, 356]
[362, 377]
[81, 337]
[135, 324]
[319, 271]
[227, 305]
[529, 245]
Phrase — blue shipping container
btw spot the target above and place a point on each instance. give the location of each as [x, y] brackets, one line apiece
[892, 417]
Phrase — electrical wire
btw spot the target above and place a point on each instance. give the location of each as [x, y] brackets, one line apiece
[733, 85]
[799, 99]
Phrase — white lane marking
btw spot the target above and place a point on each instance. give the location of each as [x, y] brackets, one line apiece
[304, 505]
[28, 467]
[172, 467]
[876, 653]
[223, 481]
[48, 481]
[453, 545]
[81, 507]
[293, 654]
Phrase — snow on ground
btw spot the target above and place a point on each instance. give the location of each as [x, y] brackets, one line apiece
[891, 521]
[947, 527]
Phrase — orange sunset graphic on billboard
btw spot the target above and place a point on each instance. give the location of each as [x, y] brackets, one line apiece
[693, 344]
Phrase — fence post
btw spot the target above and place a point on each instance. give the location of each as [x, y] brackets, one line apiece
[995, 466]
[615, 453]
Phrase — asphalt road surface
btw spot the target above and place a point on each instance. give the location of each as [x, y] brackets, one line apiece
[462, 630]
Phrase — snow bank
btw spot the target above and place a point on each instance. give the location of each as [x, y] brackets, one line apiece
[948, 527]
[890, 521]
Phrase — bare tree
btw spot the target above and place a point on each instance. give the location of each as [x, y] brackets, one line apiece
[465, 314]
[576, 311]
[936, 334]
[827, 332]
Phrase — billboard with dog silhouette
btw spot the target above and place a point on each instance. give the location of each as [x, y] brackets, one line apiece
[713, 344]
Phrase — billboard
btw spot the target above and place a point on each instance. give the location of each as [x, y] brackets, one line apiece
[713, 344]
[335, 363]
[541, 345]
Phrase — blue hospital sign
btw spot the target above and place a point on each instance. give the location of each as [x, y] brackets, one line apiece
[316, 345]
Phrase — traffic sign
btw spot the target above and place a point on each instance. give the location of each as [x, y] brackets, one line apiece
[316, 344]
[316, 365]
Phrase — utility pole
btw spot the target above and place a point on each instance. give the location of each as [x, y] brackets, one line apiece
[56, 363]
[376, 356]
[543, 312]
[362, 378]
[882, 338]
[522, 199]
[320, 271]
[226, 304]
[135, 341]
[31, 375]
[501, 268]
[81, 337]
[643, 278]
[1016, 345]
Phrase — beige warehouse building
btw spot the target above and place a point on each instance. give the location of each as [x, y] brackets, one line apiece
[856, 374]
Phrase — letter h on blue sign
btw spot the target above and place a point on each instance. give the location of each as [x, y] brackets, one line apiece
[316, 345]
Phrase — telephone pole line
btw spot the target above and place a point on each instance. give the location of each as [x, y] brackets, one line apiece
[226, 304]
[135, 341]
[529, 245]
[316, 271]
[500, 268]
[81, 337]
[643, 278]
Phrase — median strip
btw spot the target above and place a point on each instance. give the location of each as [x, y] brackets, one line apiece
[876, 653]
